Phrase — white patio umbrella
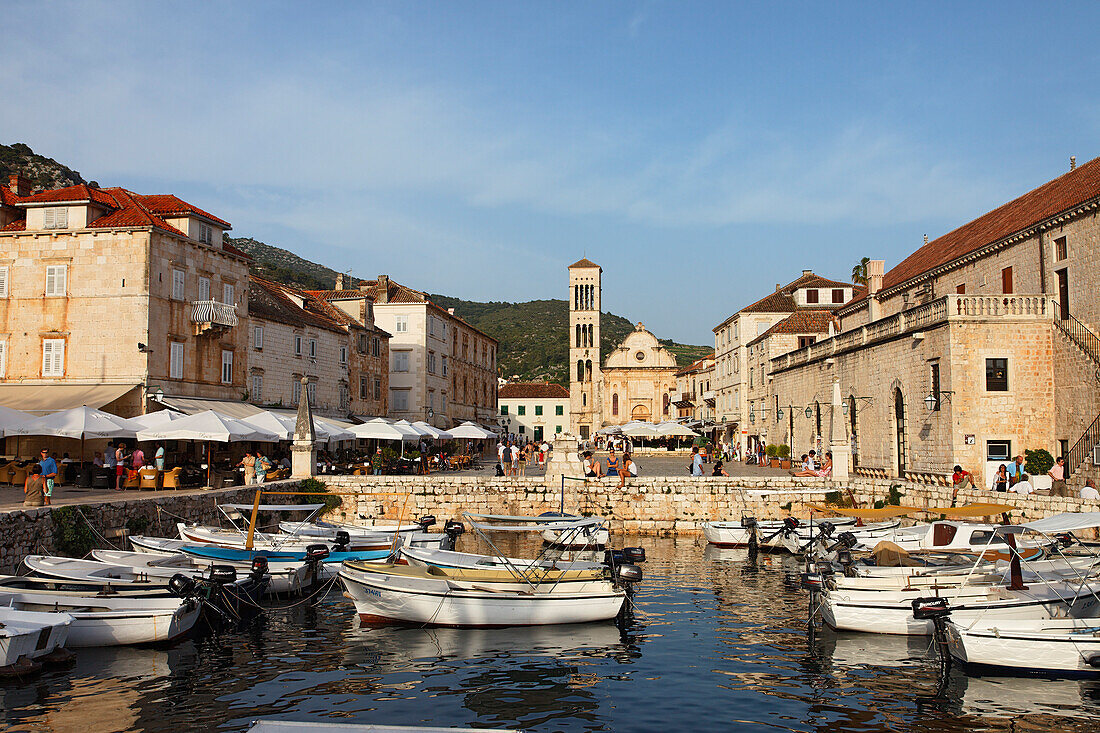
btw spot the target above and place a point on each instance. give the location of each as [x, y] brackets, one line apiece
[332, 429]
[420, 432]
[210, 427]
[471, 431]
[675, 429]
[432, 430]
[78, 423]
[641, 430]
[281, 425]
[610, 430]
[10, 419]
[154, 419]
[381, 430]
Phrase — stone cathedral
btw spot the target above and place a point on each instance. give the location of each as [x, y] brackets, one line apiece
[637, 383]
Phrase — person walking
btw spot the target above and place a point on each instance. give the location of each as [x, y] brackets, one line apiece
[262, 467]
[48, 468]
[248, 463]
[696, 462]
[33, 488]
[377, 461]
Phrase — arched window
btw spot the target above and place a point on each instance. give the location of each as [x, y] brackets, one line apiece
[615, 404]
[664, 404]
[578, 334]
[580, 371]
[588, 371]
[899, 426]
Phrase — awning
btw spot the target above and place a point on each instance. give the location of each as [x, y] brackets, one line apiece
[194, 405]
[1067, 522]
[45, 398]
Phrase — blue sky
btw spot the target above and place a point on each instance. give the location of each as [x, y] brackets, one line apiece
[700, 152]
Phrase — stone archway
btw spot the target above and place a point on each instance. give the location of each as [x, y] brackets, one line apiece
[640, 412]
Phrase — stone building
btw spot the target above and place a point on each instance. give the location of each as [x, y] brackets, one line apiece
[978, 346]
[694, 397]
[585, 381]
[734, 378]
[424, 383]
[108, 296]
[639, 380]
[294, 335]
[533, 410]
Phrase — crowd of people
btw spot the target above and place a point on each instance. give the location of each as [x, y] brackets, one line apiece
[514, 457]
[1013, 478]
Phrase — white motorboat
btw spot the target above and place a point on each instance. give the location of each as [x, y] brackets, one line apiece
[447, 559]
[944, 536]
[1065, 568]
[1061, 645]
[452, 597]
[382, 535]
[157, 545]
[737, 534]
[284, 577]
[236, 538]
[30, 634]
[101, 620]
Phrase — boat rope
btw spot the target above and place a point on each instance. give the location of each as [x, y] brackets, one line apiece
[92, 527]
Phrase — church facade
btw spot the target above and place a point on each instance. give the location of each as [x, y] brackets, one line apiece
[637, 383]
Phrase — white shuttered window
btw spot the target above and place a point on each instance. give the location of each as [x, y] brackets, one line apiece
[4, 281]
[227, 367]
[227, 294]
[56, 277]
[177, 284]
[204, 288]
[175, 367]
[55, 218]
[53, 357]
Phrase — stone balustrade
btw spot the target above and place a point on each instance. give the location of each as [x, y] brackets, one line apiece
[213, 312]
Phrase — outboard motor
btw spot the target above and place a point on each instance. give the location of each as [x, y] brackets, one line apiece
[634, 555]
[316, 554]
[628, 573]
[259, 568]
[844, 541]
[425, 522]
[790, 524]
[341, 543]
[825, 529]
[452, 529]
[222, 574]
[750, 524]
[937, 610]
[182, 585]
[612, 558]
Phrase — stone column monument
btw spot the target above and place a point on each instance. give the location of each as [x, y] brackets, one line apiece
[303, 452]
[563, 461]
[839, 444]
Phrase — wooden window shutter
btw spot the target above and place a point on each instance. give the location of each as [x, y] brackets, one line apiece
[3, 282]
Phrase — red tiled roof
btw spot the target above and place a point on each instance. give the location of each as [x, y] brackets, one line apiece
[697, 365]
[532, 390]
[1054, 197]
[15, 226]
[802, 321]
[782, 300]
[584, 262]
[125, 209]
[269, 300]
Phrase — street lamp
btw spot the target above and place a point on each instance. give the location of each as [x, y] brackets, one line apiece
[809, 412]
[752, 416]
[931, 401]
[779, 415]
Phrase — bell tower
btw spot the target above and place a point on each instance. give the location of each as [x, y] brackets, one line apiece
[585, 379]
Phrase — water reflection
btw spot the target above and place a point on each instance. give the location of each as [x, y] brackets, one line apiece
[717, 641]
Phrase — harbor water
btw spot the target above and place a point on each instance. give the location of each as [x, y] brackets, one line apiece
[716, 642]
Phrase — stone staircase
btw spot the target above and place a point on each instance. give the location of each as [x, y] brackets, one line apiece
[1087, 344]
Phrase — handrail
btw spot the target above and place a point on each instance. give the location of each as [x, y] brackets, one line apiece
[1080, 450]
[211, 311]
[1079, 334]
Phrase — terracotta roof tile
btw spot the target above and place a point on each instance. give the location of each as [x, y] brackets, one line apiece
[802, 321]
[165, 204]
[782, 300]
[532, 390]
[1054, 197]
[269, 300]
[584, 262]
[15, 226]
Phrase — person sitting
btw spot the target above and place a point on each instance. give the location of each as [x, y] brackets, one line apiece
[34, 487]
[718, 470]
[592, 469]
[826, 469]
[97, 460]
[961, 479]
[1024, 486]
[626, 469]
[811, 472]
[612, 462]
[1089, 491]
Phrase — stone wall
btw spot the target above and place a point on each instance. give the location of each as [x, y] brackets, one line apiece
[651, 505]
[31, 531]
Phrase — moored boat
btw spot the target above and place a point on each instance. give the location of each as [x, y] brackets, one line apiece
[30, 635]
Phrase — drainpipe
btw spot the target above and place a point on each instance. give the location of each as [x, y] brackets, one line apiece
[1042, 267]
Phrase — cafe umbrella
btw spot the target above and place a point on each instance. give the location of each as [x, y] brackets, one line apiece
[208, 427]
[78, 423]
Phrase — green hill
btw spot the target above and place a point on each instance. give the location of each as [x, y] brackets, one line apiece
[42, 171]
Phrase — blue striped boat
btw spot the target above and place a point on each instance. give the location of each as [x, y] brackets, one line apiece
[232, 554]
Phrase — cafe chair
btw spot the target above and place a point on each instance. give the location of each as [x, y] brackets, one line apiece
[19, 476]
[148, 478]
[131, 481]
[171, 479]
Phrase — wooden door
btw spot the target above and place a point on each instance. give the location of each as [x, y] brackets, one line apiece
[1063, 292]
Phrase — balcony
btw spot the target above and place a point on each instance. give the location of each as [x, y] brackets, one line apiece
[947, 308]
[709, 397]
[212, 318]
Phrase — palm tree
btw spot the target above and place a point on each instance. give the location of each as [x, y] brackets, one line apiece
[859, 272]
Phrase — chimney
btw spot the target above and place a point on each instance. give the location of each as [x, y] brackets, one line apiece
[926, 239]
[807, 272]
[1073, 162]
[366, 312]
[19, 185]
[777, 287]
[339, 281]
[383, 288]
[875, 271]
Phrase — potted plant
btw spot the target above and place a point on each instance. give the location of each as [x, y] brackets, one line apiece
[1036, 464]
[772, 452]
[784, 452]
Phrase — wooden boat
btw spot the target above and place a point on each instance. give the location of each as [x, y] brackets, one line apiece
[447, 559]
[1031, 645]
[453, 597]
[198, 534]
[30, 635]
[100, 620]
[284, 576]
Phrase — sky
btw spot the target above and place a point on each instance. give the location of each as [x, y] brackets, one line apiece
[699, 152]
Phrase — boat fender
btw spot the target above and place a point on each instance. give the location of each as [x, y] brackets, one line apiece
[343, 539]
[1093, 661]
[316, 553]
[748, 522]
[223, 574]
[425, 522]
[634, 555]
[259, 568]
[629, 573]
[930, 609]
[181, 585]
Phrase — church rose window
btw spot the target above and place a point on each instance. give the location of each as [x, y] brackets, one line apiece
[640, 355]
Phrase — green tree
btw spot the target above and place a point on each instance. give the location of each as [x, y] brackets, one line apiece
[859, 272]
